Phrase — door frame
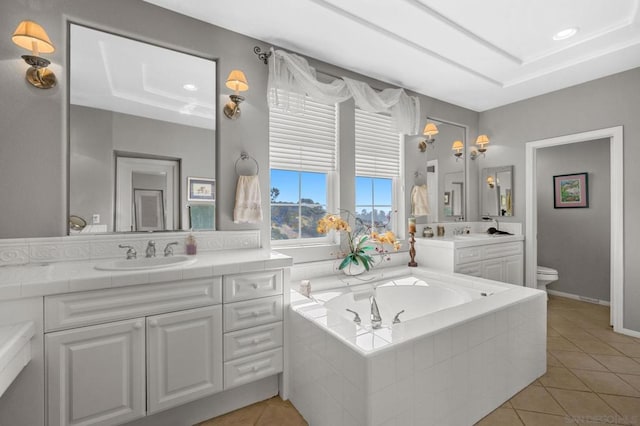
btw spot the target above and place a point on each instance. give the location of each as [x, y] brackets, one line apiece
[615, 137]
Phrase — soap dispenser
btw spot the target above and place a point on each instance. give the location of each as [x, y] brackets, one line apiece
[191, 246]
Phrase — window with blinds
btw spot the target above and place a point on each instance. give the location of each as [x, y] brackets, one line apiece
[377, 145]
[377, 161]
[305, 138]
[302, 153]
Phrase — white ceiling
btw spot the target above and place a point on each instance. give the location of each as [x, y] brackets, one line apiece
[123, 75]
[476, 54]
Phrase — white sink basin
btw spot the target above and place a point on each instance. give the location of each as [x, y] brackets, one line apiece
[145, 263]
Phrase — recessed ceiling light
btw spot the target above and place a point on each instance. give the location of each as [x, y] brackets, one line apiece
[565, 34]
[190, 87]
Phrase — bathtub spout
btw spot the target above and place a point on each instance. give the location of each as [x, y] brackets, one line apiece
[376, 321]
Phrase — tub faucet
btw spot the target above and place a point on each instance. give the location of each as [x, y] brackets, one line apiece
[376, 321]
[151, 249]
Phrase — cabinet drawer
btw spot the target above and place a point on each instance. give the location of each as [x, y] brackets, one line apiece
[252, 340]
[251, 286]
[474, 269]
[249, 313]
[491, 251]
[253, 367]
[99, 306]
[469, 254]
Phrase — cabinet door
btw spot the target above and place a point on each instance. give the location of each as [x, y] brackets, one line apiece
[184, 356]
[514, 270]
[474, 269]
[492, 269]
[95, 375]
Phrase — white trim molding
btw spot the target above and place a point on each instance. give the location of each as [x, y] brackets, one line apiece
[615, 136]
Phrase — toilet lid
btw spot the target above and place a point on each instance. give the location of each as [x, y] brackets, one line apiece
[542, 270]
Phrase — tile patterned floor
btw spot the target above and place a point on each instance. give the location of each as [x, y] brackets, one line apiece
[271, 412]
[593, 377]
[593, 374]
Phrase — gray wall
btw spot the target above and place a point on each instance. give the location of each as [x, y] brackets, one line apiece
[606, 102]
[576, 242]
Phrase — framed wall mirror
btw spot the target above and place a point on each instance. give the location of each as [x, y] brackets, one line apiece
[142, 119]
[496, 191]
[444, 174]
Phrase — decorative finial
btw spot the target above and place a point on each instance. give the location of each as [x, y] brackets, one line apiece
[263, 56]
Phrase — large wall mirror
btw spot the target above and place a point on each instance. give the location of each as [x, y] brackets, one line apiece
[496, 191]
[444, 173]
[142, 120]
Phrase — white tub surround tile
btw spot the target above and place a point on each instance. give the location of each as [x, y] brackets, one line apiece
[449, 367]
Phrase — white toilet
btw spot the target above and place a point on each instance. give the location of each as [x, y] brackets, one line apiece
[545, 276]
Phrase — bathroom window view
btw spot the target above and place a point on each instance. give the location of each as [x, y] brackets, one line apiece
[298, 201]
[373, 200]
[302, 154]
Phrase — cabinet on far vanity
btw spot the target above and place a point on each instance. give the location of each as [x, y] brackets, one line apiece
[499, 258]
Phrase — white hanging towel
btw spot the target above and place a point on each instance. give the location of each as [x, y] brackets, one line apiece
[248, 207]
[419, 201]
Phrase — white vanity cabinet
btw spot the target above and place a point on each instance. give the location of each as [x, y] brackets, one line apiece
[96, 374]
[499, 258]
[500, 262]
[253, 326]
[184, 357]
[169, 353]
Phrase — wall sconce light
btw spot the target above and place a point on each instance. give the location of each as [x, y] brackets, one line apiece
[238, 83]
[31, 36]
[457, 146]
[482, 141]
[429, 130]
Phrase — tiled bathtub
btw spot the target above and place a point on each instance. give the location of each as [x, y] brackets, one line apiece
[448, 367]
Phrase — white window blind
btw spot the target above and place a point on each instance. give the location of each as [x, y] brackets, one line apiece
[377, 145]
[304, 140]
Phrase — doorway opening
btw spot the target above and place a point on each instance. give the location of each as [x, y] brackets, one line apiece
[615, 137]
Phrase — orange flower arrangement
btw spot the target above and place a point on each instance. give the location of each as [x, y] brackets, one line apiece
[360, 244]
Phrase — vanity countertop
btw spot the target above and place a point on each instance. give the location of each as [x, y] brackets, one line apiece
[41, 279]
[468, 240]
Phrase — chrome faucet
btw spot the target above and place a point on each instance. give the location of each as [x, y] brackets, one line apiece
[396, 319]
[151, 249]
[376, 320]
[168, 249]
[131, 252]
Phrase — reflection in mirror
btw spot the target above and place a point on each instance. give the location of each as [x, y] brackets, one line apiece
[496, 191]
[446, 173]
[141, 121]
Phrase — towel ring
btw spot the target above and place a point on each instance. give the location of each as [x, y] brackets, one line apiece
[243, 157]
[418, 177]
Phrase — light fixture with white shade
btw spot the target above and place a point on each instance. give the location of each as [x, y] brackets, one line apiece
[31, 36]
[429, 131]
[238, 83]
[457, 146]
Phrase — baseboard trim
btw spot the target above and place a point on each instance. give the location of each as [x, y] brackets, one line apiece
[580, 298]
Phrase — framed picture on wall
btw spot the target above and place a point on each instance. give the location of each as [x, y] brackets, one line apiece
[571, 191]
[201, 189]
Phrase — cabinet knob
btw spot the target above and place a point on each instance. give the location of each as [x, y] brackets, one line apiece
[255, 286]
[153, 323]
[137, 325]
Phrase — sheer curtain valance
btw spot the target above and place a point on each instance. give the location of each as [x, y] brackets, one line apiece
[289, 73]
